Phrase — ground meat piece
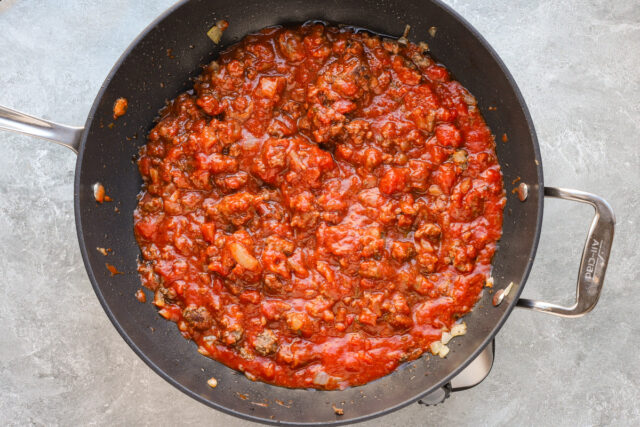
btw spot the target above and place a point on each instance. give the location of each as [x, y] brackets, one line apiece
[428, 230]
[402, 250]
[236, 208]
[272, 284]
[233, 335]
[198, 317]
[266, 342]
[164, 296]
[374, 270]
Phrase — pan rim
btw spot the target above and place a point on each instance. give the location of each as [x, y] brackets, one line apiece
[142, 355]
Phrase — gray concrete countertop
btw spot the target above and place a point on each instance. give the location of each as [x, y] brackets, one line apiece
[577, 63]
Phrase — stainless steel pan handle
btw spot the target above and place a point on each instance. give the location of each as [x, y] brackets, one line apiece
[16, 121]
[595, 256]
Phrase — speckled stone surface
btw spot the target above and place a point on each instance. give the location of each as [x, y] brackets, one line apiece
[577, 63]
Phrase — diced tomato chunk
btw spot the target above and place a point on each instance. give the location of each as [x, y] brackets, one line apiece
[393, 181]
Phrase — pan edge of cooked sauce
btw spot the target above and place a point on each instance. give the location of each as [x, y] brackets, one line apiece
[322, 207]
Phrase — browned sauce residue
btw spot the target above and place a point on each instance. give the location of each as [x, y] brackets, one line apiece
[103, 251]
[281, 403]
[141, 296]
[98, 192]
[505, 138]
[120, 107]
[212, 382]
[113, 270]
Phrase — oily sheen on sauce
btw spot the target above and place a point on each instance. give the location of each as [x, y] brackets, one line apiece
[320, 208]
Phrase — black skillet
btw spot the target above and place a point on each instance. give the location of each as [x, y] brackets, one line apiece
[147, 77]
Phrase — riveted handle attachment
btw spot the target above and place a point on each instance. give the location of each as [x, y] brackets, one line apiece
[595, 256]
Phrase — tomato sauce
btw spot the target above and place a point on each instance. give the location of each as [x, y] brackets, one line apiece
[320, 208]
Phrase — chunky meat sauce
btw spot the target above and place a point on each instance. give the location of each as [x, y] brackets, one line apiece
[320, 208]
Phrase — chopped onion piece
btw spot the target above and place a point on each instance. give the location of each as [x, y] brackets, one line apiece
[321, 378]
[439, 349]
[158, 300]
[489, 282]
[443, 351]
[459, 329]
[508, 289]
[215, 32]
[403, 40]
[446, 337]
[243, 257]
